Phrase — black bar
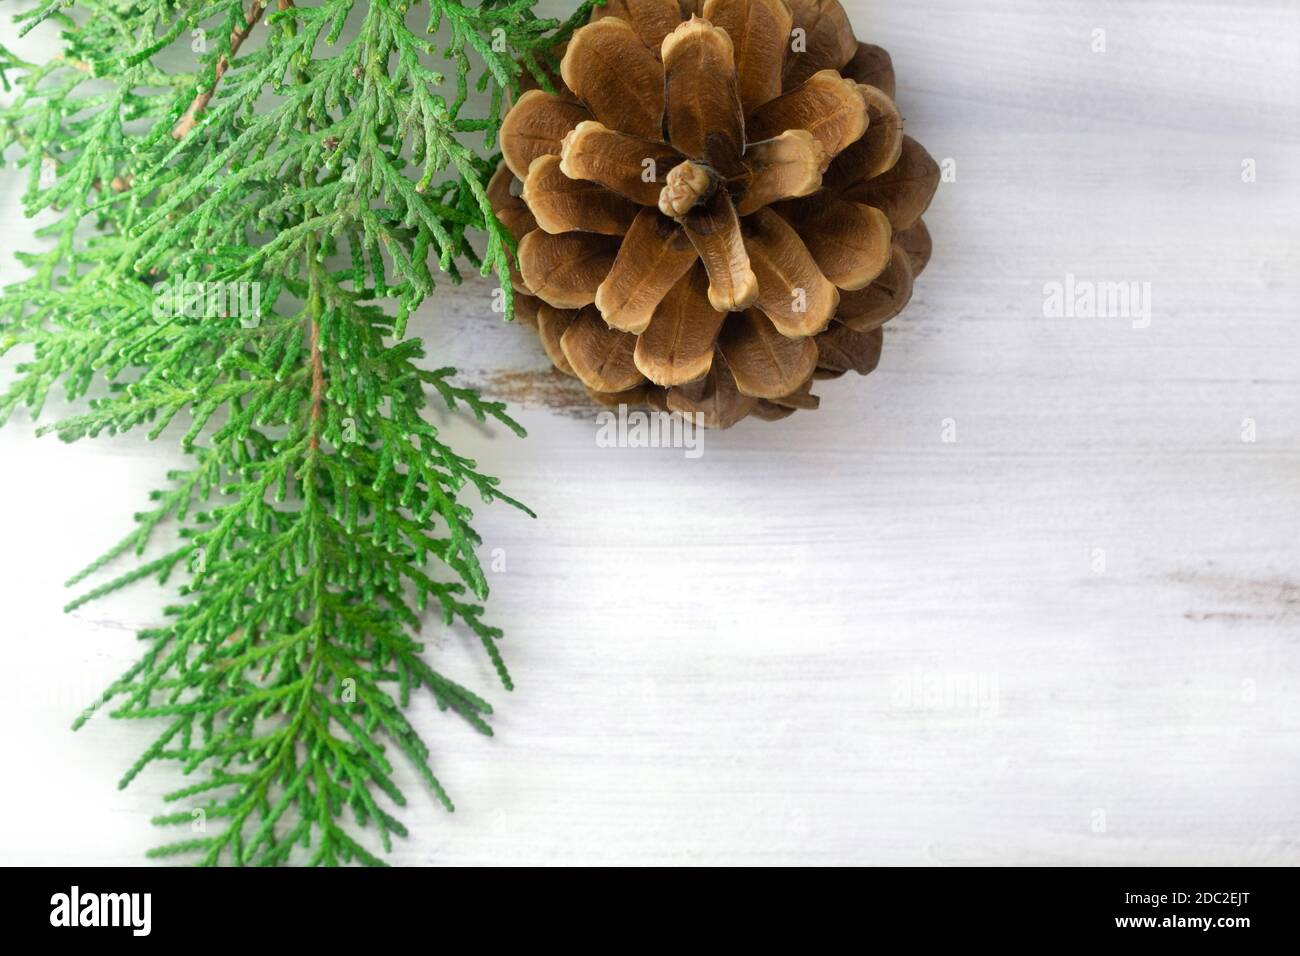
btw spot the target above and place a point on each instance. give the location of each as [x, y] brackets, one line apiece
[1228, 906]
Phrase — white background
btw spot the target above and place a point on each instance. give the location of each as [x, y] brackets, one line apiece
[715, 658]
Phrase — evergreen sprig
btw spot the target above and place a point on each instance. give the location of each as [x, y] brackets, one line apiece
[234, 252]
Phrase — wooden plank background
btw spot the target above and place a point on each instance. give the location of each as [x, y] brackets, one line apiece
[1070, 636]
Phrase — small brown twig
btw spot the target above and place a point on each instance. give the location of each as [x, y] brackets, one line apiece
[237, 37]
[317, 383]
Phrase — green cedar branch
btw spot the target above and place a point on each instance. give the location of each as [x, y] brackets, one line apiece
[244, 282]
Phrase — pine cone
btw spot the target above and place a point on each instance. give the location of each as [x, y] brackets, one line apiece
[716, 208]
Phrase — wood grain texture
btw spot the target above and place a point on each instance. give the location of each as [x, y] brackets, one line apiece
[839, 638]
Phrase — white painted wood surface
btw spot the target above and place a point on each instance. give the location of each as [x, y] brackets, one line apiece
[716, 659]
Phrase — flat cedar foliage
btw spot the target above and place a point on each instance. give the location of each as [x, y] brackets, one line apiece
[242, 207]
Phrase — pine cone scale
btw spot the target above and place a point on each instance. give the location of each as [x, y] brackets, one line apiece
[827, 105]
[535, 126]
[704, 117]
[872, 66]
[870, 308]
[599, 355]
[828, 38]
[560, 204]
[651, 19]
[655, 253]
[793, 292]
[622, 82]
[760, 35]
[789, 166]
[632, 167]
[763, 362]
[714, 230]
[566, 269]
[849, 241]
[677, 346]
[904, 191]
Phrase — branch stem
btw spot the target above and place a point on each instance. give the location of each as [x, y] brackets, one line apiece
[238, 35]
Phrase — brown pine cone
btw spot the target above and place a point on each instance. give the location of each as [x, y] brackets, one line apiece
[718, 206]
